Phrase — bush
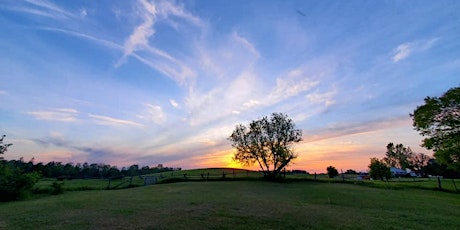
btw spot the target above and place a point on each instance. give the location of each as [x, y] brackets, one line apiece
[14, 184]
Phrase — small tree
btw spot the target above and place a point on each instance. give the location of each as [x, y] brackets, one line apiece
[332, 172]
[379, 170]
[267, 142]
[3, 147]
[14, 183]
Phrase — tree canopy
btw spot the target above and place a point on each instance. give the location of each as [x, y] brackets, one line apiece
[397, 156]
[266, 142]
[332, 172]
[379, 170]
[438, 120]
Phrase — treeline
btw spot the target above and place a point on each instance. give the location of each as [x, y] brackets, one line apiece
[400, 157]
[61, 171]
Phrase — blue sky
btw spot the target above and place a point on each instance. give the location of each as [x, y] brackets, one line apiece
[150, 82]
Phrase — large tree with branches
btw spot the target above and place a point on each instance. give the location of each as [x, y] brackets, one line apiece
[438, 120]
[266, 142]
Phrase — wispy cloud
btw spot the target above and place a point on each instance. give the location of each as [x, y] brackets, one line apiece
[341, 129]
[401, 52]
[60, 114]
[293, 83]
[99, 41]
[110, 121]
[326, 98]
[41, 8]
[153, 113]
[248, 45]
[139, 46]
[174, 103]
[3, 92]
[404, 50]
[78, 152]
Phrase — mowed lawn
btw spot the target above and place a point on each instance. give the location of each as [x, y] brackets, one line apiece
[238, 205]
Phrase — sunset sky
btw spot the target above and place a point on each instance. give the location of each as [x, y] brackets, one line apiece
[149, 82]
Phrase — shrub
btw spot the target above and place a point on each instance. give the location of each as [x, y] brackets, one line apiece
[14, 184]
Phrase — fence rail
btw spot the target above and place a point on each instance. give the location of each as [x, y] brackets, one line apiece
[444, 184]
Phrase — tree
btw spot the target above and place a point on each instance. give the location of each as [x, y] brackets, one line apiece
[15, 184]
[438, 120]
[267, 142]
[3, 147]
[418, 163]
[332, 172]
[351, 171]
[398, 156]
[379, 170]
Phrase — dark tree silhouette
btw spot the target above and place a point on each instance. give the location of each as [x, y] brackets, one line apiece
[267, 142]
[332, 172]
[439, 121]
[3, 147]
[398, 156]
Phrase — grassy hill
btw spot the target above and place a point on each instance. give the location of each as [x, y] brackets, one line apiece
[238, 205]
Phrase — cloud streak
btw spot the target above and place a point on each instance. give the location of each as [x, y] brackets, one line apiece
[42, 8]
[60, 115]
[404, 50]
[110, 121]
[139, 43]
[153, 113]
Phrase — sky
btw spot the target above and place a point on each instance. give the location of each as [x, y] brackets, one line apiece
[166, 82]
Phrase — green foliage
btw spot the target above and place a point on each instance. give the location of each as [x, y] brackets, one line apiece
[397, 156]
[438, 120]
[15, 184]
[379, 170]
[332, 172]
[267, 142]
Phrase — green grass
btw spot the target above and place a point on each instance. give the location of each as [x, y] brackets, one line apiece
[238, 205]
[448, 185]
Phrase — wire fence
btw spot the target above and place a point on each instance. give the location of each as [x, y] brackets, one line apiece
[433, 183]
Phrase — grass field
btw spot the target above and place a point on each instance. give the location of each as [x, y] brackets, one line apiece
[238, 205]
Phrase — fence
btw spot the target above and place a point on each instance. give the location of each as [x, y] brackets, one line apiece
[438, 183]
[434, 183]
